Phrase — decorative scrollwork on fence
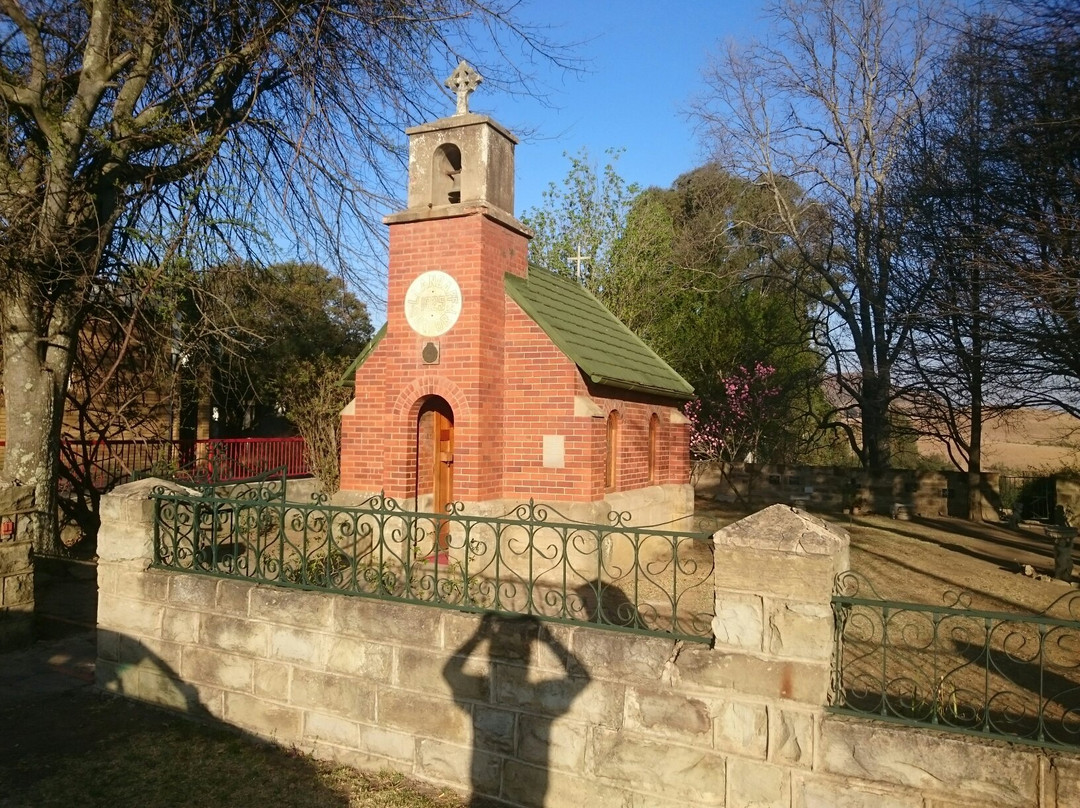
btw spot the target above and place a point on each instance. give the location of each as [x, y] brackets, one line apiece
[952, 667]
[530, 560]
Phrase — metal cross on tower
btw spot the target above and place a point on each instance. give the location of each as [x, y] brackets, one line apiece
[463, 81]
[578, 259]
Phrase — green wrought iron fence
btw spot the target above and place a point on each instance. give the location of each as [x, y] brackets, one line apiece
[1000, 674]
[531, 560]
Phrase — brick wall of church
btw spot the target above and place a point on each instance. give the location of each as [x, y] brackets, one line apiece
[379, 441]
[507, 383]
[541, 387]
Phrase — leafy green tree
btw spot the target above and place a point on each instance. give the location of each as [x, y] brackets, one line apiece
[702, 293]
[312, 398]
[277, 317]
[581, 219]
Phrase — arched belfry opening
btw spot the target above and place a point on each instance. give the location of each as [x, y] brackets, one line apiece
[446, 175]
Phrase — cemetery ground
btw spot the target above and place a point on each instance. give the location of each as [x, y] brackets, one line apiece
[62, 743]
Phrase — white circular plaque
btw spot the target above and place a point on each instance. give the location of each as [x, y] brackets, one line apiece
[433, 303]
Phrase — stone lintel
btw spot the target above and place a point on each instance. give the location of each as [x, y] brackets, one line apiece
[466, 208]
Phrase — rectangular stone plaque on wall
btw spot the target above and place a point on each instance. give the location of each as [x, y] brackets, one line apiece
[554, 451]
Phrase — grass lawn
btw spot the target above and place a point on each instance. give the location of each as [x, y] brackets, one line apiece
[94, 751]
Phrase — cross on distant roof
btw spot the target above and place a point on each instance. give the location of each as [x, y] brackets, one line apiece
[578, 259]
[463, 81]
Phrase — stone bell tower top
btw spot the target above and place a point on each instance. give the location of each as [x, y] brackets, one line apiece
[460, 163]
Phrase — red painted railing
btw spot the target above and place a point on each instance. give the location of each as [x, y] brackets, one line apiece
[111, 461]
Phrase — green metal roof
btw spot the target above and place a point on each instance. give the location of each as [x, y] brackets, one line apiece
[348, 378]
[592, 337]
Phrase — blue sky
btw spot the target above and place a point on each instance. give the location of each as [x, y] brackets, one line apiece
[641, 64]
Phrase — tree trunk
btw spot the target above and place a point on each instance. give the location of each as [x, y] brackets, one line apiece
[974, 472]
[877, 431]
[37, 362]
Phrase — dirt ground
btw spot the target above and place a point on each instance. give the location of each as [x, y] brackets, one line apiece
[925, 559]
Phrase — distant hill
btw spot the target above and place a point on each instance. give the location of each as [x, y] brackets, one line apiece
[1027, 439]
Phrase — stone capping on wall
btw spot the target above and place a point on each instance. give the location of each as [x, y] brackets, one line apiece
[595, 717]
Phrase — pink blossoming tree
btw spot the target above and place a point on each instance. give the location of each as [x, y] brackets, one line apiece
[730, 427]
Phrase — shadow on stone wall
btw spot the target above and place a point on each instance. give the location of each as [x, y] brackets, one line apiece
[607, 605]
[507, 681]
[140, 674]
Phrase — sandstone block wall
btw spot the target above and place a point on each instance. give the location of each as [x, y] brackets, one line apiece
[16, 594]
[16, 569]
[931, 493]
[553, 715]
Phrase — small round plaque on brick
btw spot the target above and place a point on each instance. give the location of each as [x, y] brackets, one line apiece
[430, 353]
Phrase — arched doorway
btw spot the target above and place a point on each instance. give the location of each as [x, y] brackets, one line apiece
[435, 458]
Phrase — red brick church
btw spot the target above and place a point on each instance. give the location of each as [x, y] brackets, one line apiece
[494, 380]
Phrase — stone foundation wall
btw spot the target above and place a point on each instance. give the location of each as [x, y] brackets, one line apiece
[532, 714]
[16, 569]
[16, 594]
[653, 505]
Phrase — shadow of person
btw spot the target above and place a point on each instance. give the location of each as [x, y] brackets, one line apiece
[606, 605]
[126, 667]
[511, 711]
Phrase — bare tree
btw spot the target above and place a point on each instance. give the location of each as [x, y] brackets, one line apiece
[1033, 231]
[991, 183]
[825, 103]
[957, 358]
[121, 388]
[136, 130]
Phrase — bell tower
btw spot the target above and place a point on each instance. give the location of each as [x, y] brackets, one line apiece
[451, 249]
[461, 164]
[491, 383]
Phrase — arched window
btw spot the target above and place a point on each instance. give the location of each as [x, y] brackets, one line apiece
[611, 472]
[654, 448]
[446, 175]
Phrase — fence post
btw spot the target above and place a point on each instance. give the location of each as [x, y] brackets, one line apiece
[774, 573]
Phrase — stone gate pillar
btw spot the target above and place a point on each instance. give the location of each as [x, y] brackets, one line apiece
[774, 573]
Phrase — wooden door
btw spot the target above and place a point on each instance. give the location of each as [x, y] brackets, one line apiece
[442, 473]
